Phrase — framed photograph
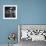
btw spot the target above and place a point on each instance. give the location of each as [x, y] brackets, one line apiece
[31, 32]
[9, 11]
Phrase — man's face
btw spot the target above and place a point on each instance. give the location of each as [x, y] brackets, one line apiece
[10, 11]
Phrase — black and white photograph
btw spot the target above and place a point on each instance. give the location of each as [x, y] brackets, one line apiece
[29, 35]
[9, 11]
